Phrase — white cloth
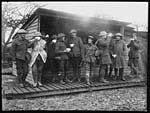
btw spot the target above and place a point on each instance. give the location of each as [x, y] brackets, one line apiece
[38, 49]
[14, 70]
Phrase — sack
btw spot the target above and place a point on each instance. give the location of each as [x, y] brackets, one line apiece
[28, 57]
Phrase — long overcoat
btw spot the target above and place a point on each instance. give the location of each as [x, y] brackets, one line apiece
[19, 48]
[103, 46]
[59, 50]
[120, 50]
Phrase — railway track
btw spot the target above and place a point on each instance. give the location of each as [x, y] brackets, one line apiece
[53, 89]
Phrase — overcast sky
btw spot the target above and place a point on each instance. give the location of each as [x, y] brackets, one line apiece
[125, 11]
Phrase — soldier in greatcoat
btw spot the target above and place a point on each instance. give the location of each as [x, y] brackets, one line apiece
[105, 60]
[134, 52]
[119, 55]
[77, 53]
[20, 56]
[61, 52]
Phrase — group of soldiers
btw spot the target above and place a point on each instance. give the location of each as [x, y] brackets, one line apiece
[109, 49]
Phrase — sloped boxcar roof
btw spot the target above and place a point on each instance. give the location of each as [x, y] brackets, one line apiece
[53, 22]
[53, 13]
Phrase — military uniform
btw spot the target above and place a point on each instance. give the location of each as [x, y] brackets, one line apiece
[19, 52]
[89, 61]
[134, 56]
[76, 55]
[105, 60]
[119, 50]
[63, 57]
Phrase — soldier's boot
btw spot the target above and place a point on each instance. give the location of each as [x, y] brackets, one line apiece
[20, 81]
[66, 78]
[62, 78]
[39, 79]
[35, 84]
[24, 80]
[102, 77]
[121, 74]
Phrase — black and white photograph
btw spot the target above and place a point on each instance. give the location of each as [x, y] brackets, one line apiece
[74, 56]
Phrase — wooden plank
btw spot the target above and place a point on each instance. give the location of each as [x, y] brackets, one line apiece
[67, 86]
[83, 84]
[31, 27]
[25, 90]
[33, 24]
[78, 84]
[32, 30]
[54, 87]
[49, 88]
[75, 85]
[70, 85]
[36, 17]
[36, 20]
[43, 89]
[14, 91]
[30, 89]
[63, 85]
[37, 89]
[19, 91]
[58, 86]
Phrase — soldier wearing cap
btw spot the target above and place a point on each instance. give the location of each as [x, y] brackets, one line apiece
[135, 46]
[38, 59]
[20, 56]
[90, 58]
[61, 52]
[105, 60]
[119, 55]
[76, 54]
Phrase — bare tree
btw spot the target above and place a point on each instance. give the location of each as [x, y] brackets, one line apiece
[14, 15]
